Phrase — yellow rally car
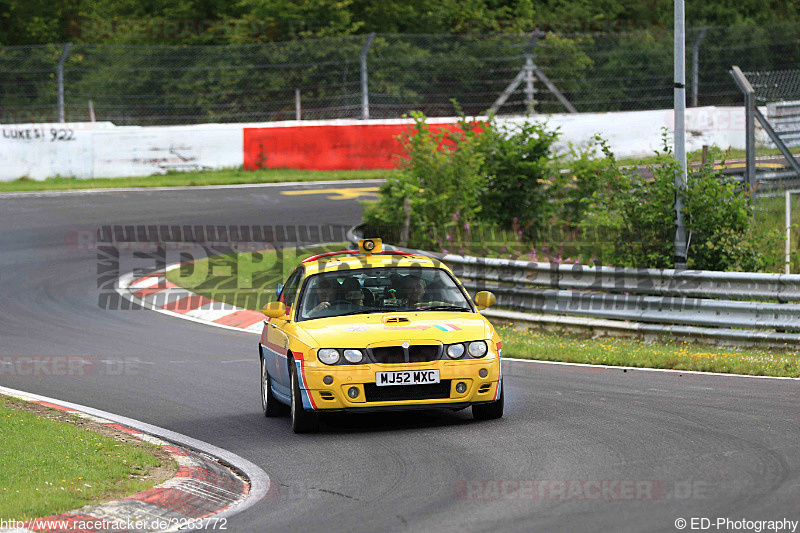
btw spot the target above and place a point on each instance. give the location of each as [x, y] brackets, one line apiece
[369, 330]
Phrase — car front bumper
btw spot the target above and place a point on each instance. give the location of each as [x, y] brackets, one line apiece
[371, 397]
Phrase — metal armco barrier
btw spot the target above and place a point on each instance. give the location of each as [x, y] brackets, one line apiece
[742, 308]
[699, 298]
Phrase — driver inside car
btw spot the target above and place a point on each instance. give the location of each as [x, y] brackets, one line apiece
[413, 290]
[326, 293]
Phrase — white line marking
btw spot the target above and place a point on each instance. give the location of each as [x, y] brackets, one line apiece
[208, 313]
[643, 369]
[240, 361]
[66, 192]
[148, 282]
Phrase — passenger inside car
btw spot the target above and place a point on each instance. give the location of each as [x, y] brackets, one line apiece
[351, 291]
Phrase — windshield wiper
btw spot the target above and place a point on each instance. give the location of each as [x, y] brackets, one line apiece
[443, 308]
[358, 312]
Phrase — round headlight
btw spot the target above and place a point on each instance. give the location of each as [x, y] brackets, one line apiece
[454, 351]
[354, 356]
[477, 349]
[369, 245]
[328, 356]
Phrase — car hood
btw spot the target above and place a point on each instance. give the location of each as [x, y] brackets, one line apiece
[356, 331]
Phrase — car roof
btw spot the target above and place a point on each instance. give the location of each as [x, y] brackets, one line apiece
[350, 260]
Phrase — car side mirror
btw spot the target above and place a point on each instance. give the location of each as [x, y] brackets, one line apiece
[274, 310]
[484, 299]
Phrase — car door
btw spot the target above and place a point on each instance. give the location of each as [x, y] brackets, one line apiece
[278, 341]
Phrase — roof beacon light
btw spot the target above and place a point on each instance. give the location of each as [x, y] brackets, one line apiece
[370, 246]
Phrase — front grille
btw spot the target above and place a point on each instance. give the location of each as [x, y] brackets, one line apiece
[394, 393]
[417, 353]
[420, 353]
[389, 354]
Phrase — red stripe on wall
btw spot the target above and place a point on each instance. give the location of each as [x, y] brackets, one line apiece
[353, 147]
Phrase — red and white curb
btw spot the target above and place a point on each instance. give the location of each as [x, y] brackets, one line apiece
[204, 491]
[155, 292]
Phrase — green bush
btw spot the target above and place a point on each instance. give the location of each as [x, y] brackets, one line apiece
[477, 176]
[504, 189]
[517, 164]
[442, 178]
[639, 215]
[642, 213]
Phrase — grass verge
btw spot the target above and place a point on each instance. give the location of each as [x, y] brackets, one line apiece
[248, 280]
[715, 154]
[51, 462]
[193, 179]
[528, 344]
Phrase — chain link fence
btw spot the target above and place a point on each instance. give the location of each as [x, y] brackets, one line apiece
[322, 78]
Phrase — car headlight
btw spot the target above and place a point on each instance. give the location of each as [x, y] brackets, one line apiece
[454, 351]
[477, 349]
[354, 356]
[328, 356]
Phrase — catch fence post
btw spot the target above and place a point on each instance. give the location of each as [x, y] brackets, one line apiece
[364, 92]
[60, 81]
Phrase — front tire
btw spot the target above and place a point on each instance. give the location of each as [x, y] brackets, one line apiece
[302, 421]
[492, 410]
[271, 406]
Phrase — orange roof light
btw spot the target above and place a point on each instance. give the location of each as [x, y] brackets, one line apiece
[370, 246]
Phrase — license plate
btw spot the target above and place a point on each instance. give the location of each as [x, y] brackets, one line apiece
[407, 377]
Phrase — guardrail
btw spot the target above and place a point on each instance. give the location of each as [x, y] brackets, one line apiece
[739, 307]
[697, 298]
[786, 118]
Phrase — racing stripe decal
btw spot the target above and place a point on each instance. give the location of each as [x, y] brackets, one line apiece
[308, 401]
[499, 381]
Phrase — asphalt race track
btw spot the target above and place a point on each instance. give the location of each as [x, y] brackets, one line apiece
[572, 444]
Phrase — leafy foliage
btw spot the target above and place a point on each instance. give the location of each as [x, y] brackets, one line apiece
[441, 177]
[717, 215]
[37, 21]
[517, 165]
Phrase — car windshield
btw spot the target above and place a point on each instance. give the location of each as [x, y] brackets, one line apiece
[381, 290]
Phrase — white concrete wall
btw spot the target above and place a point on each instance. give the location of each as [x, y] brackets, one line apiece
[89, 150]
[156, 150]
[41, 151]
[86, 150]
[639, 133]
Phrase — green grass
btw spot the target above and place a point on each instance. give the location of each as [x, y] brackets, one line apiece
[48, 467]
[182, 179]
[714, 154]
[529, 344]
[247, 279]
